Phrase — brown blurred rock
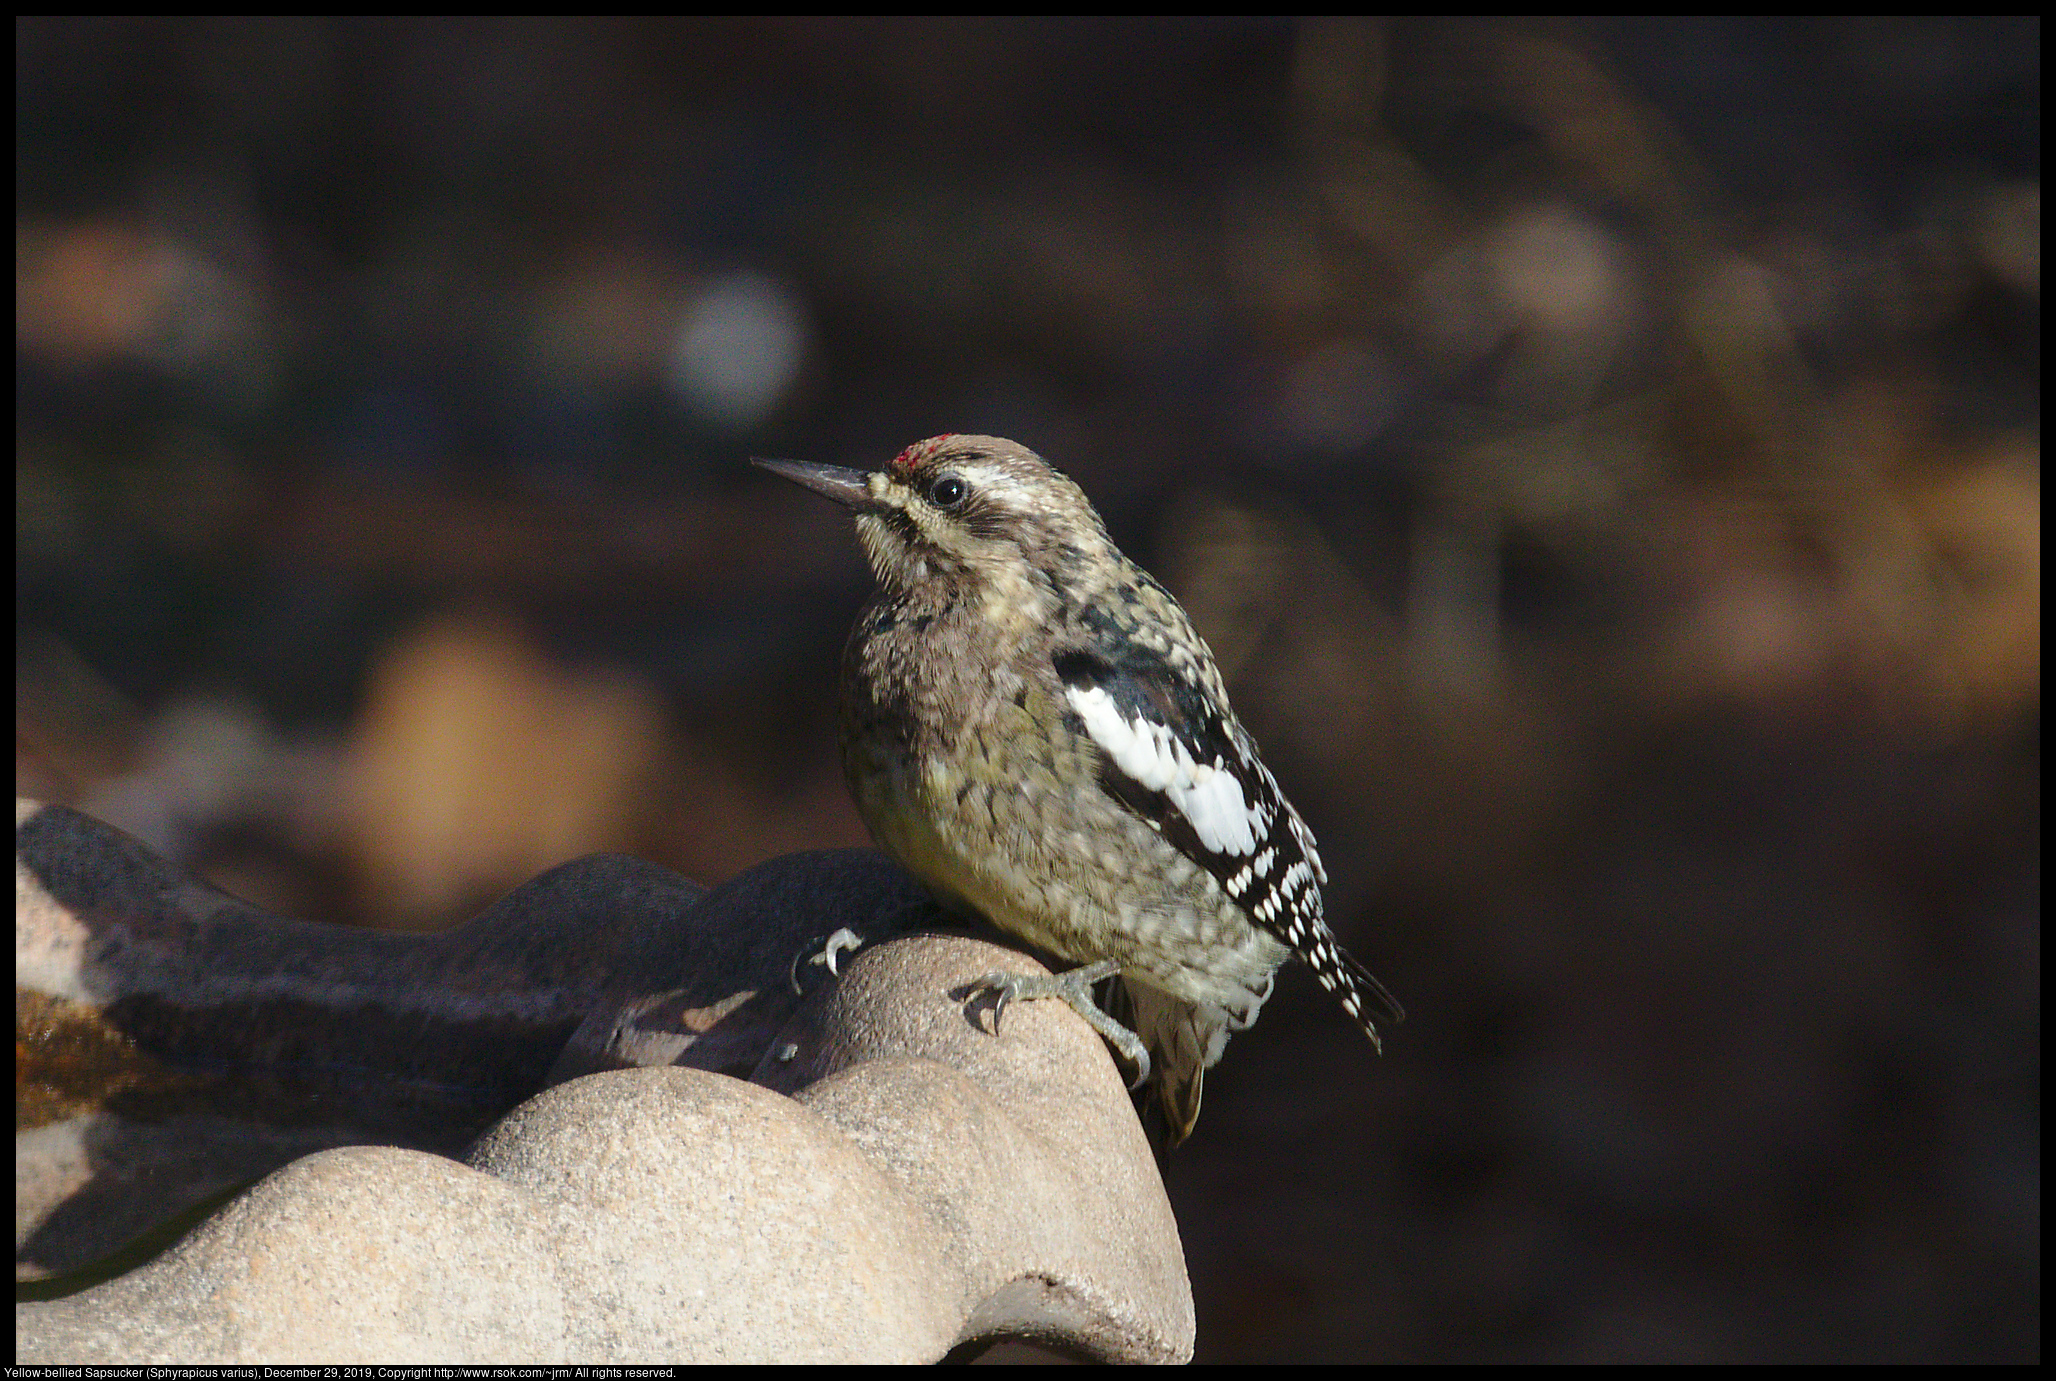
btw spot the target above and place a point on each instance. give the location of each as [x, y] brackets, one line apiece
[439, 809]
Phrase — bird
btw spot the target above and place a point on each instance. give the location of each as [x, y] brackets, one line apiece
[1032, 726]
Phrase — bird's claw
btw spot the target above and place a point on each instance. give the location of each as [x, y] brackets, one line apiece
[832, 947]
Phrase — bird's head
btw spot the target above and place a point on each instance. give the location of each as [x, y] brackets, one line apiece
[965, 514]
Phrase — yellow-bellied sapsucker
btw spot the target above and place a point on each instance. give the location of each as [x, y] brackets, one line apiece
[1032, 727]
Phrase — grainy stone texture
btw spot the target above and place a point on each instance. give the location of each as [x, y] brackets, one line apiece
[360, 1253]
[697, 1216]
[1023, 1152]
[174, 1041]
[896, 1181]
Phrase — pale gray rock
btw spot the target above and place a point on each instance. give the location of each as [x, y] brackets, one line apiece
[1022, 1149]
[897, 1180]
[697, 1217]
[362, 1252]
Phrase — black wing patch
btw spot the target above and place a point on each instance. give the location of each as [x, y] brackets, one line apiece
[1174, 716]
[1170, 756]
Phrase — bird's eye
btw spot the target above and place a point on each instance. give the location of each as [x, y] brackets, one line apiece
[948, 491]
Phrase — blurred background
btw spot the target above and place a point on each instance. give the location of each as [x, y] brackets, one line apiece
[1604, 455]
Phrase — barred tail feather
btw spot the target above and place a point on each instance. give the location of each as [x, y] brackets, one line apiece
[1368, 987]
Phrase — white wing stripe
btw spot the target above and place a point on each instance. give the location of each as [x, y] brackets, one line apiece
[1209, 796]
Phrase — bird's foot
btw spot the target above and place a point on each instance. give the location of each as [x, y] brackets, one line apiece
[1075, 988]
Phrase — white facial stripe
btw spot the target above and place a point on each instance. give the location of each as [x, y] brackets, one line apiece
[993, 482]
[1209, 796]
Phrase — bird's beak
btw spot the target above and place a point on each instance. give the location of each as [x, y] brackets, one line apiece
[840, 483]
